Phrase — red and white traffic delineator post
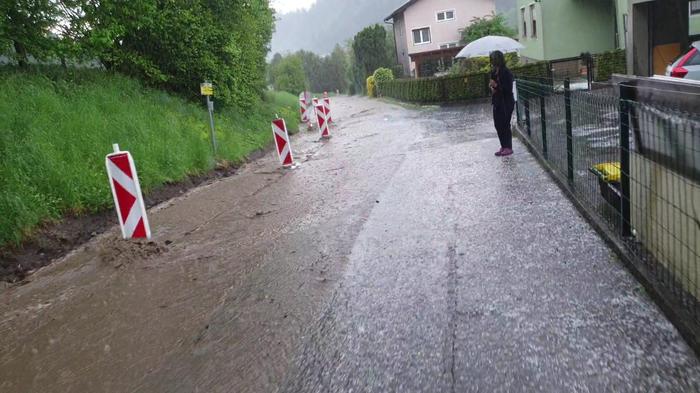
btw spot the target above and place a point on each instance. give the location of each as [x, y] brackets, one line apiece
[315, 103]
[128, 199]
[284, 148]
[303, 108]
[323, 121]
[327, 105]
[310, 111]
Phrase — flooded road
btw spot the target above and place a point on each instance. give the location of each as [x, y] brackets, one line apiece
[400, 256]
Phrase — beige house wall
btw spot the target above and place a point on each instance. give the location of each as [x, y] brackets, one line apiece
[665, 216]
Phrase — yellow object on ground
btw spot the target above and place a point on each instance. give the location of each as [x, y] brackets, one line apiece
[609, 172]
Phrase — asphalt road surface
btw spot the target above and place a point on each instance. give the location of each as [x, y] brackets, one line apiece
[401, 256]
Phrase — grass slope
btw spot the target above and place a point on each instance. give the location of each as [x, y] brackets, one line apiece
[55, 131]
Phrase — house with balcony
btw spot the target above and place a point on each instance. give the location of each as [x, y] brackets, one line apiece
[428, 32]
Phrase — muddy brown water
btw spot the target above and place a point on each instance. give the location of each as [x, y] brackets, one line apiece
[54, 240]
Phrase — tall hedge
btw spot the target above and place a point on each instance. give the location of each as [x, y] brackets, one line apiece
[452, 88]
[608, 63]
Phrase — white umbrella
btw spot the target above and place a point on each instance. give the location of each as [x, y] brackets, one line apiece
[484, 46]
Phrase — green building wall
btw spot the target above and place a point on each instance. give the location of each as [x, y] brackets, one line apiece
[694, 27]
[566, 28]
[534, 48]
[622, 6]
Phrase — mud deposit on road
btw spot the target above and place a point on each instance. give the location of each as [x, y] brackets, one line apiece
[54, 240]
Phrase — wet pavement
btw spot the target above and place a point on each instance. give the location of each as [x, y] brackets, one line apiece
[400, 256]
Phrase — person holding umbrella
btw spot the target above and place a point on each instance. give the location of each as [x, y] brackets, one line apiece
[501, 82]
[502, 100]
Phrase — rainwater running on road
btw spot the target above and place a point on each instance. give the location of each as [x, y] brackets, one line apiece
[401, 256]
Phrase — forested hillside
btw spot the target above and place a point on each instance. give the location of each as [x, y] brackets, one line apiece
[327, 23]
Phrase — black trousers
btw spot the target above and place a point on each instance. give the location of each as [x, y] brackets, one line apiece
[502, 113]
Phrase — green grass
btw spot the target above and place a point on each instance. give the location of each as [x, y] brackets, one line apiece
[55, 131]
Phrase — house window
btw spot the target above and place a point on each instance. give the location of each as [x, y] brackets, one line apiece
[524, 22]
[421, 36]
[694, 7]
[448, 45]
[443, 16]
[533, 21]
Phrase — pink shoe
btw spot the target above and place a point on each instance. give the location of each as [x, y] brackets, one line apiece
[506, 152]
[499, 153]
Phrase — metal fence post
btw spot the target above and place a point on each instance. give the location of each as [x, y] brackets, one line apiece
[516, 96]
[625, 98]
[569, 132]
[210, 108]
[543, 118]
[526, 104]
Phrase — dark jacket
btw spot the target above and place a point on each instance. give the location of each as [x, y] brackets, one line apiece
[504, 91]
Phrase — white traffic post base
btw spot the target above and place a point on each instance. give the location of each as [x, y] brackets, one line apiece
[128, 200]
[284, 148]
[323, 122]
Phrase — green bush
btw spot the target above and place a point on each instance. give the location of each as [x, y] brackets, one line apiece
[371, 92]
[397, 70]
[54, 137]
[540, 69]
[382, 75]
[441, 89]
[480, 64]
[288, 75]
[608, 63]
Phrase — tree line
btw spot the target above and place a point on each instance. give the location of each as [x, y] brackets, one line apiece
[169, 44]
[345, 69]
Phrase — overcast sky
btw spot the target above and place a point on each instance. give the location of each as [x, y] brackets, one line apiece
[285, 6]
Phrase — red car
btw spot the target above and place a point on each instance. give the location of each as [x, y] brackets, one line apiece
[687, 66]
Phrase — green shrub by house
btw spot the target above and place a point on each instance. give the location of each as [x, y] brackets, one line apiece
[382, 75]
[608, 63]
[371, 85]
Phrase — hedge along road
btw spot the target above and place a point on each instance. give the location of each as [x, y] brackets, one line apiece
[401, 256]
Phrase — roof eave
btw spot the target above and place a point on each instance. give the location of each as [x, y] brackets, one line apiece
[399, 10]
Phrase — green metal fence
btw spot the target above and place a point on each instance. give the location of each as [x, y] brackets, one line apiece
[634, 168]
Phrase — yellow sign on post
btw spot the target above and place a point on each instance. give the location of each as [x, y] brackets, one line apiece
[207, 89]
